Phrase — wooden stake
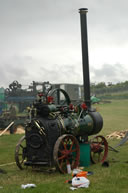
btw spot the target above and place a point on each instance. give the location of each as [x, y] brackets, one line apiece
[7, 128]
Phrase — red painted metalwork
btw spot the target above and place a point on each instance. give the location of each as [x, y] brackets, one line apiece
[66, 151]
[99, 149]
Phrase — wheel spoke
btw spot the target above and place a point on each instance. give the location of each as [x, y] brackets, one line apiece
[21, 146]
[71, 145]
[99, 149]
[74, 150]
[19, 155]
[57, 95]
[69, 154]
[22, 161]
[61, 151]
[64, 145]
[62, 157]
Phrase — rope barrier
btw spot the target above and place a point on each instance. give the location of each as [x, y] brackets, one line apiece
[7, 164]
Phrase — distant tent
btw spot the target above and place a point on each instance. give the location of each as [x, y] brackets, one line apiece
[1, 94]
[94, 100]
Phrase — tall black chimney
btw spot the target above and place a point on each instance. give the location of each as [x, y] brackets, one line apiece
[85, 59]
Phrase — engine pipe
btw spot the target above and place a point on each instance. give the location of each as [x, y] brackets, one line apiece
[85, 58]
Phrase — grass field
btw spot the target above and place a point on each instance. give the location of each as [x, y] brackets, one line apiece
[115, 116]
[112, 179]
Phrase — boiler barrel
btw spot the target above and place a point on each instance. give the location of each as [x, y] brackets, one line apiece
[90, 124]
[93, 122]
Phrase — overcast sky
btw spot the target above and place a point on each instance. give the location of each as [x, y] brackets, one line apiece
[40, 40]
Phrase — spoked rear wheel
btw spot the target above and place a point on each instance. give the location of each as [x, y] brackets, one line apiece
[66, 152]
[20, 154]
[99, 149]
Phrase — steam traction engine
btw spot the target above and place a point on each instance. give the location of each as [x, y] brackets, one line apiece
[56, 127]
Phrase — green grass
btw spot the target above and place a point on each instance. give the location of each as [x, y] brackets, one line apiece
[115, 116]
[113, 179]
[114, 95]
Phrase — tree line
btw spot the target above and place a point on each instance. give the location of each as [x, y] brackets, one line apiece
[102, 87]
